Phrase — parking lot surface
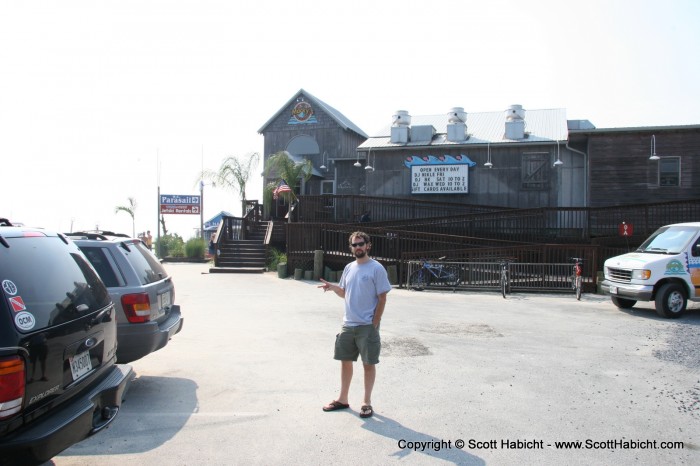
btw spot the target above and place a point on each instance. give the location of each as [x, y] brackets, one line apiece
[513, 379]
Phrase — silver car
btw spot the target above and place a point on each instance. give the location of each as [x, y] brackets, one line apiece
[142, 291]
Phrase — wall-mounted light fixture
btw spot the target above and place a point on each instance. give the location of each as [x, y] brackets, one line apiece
[488, 156]
[323, 161]
[357, 164]
[369, 167]
[653, 149]
[558, 162]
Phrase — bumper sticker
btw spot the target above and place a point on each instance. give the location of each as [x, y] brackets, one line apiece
[24, 321]
[9, 287]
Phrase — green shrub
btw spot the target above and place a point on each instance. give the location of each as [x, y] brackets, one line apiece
[194, 248]
[170, 246]
[275, 257]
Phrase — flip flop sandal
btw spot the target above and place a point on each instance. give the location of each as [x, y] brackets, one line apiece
[366, 411]
[335, 406]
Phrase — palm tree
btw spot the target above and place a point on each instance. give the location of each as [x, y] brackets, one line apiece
[284, 168]
[234, 173]
[131, 210]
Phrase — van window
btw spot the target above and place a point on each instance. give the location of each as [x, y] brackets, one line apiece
[669, 240]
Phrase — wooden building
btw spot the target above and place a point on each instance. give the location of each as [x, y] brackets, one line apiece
[308, 128]
[640, 165]
[516, 158]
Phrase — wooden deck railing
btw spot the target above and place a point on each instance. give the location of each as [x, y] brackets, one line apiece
[350, 208]
[432, 230]
[404, 230]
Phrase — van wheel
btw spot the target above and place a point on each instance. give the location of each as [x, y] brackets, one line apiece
[623, 303]
[671, 300]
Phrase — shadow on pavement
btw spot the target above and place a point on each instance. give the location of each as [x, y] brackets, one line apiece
[403, 435]
[157, 408]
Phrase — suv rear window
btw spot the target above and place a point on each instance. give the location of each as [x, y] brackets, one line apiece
[146, 265]
[101, 258]
[66, 288]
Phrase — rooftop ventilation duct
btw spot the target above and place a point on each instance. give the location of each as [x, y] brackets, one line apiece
[457, 125]
[400, 127]
[515, 122]
[423, 133]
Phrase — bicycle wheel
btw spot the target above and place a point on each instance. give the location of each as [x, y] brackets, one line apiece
[573, 281]
[451, 276]
[579, 284]
[417, 281]
[504, 283]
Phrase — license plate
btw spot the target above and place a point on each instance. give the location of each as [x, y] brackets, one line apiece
[164, 301]
[613, 290]
[80, 364]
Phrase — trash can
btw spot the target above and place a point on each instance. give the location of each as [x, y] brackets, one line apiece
[282, 270]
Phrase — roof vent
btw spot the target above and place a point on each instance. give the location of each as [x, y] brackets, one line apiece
[515, 122]
[400, 127]
[457, 115]
[515, 112]
[401, 118]
[457, 126]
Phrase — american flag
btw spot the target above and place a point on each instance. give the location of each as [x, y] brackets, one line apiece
[282, 187]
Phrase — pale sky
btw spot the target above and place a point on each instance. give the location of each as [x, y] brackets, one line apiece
[94, 93]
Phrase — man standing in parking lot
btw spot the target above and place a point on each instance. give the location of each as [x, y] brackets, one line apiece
[149, 240]
[364, 286]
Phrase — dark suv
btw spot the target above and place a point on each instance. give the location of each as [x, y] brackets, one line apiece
[58, 341]
[142, 291]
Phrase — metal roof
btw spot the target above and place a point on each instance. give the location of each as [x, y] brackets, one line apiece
[548, 125]
[339, 118]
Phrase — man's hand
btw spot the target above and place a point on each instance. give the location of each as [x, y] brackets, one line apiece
[331, 287]
[326, 286]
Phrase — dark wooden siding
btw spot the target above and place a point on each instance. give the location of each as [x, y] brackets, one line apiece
[621, 172]
[503, 185]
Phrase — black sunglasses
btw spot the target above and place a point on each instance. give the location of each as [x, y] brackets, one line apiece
[358, 245]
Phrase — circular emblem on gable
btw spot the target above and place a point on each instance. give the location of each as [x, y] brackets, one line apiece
[302, 111]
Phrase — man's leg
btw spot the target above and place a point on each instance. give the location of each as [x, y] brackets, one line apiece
[345, 379]
[370, 376]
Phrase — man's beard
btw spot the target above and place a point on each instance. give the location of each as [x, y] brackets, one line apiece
[360, 254]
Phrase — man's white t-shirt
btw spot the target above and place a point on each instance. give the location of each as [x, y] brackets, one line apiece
[363, 283]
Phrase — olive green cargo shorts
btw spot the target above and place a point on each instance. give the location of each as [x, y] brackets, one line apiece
[362, 340]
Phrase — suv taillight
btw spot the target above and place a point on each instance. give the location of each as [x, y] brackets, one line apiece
[11, 385]
[137, 307]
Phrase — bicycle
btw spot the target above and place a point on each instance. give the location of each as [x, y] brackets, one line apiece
[433, 273]
[576, 276]
[505, 277]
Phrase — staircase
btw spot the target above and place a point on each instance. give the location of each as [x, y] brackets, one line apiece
[243, 256]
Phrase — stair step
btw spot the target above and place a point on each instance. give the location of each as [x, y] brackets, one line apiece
[221, 269]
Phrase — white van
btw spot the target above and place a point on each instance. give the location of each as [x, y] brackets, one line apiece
[664, 269]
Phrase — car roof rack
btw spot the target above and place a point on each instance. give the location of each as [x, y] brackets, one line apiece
[98, 234]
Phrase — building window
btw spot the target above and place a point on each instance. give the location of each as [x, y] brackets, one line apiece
[670, 171]
[535, 170]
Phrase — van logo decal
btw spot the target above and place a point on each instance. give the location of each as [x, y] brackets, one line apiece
[675, 267]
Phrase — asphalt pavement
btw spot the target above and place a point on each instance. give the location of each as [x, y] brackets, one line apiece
[464, 378]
